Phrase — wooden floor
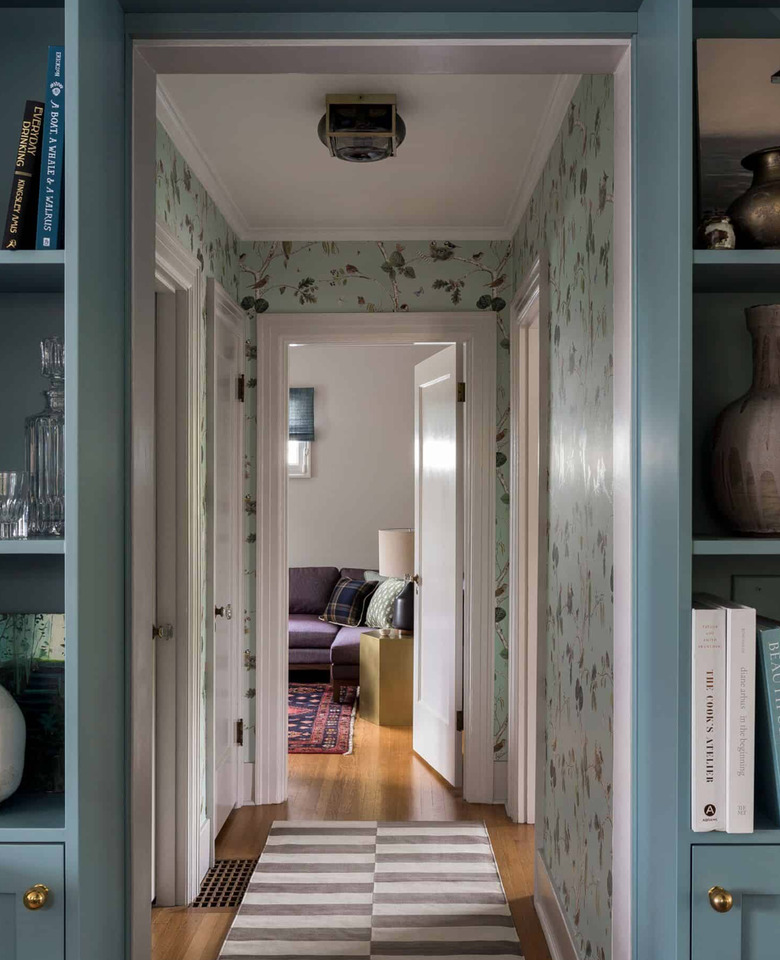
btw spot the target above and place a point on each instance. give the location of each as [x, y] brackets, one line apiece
[381, 780]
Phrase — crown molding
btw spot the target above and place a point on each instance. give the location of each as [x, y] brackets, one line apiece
[554, 115]
[187, 145]
[368, 232]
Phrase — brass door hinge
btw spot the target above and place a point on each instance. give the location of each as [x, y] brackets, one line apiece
[461, 392]
[240, 732]
[459, 721]
[241, 387]
[162, 632]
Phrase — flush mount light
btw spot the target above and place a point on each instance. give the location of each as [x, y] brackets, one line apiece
[361, 127]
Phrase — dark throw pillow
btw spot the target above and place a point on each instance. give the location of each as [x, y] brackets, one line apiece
[348, 602]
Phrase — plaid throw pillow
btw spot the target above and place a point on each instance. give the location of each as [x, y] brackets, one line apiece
[348, 602]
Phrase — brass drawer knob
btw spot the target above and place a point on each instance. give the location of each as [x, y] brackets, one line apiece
[36, 896]
[721, 900]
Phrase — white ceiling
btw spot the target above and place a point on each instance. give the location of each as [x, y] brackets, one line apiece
[474, 147]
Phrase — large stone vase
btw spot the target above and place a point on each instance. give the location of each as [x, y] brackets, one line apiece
[746, 454]
[12, 737]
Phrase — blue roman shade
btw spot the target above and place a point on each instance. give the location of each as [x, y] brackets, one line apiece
[301, 413]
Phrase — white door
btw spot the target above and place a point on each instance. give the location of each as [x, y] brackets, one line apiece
[225, 547]
[438, 635]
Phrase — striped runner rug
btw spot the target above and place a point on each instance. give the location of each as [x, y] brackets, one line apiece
[340, 889]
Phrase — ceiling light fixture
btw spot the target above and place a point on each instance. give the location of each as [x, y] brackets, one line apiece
[361, 127]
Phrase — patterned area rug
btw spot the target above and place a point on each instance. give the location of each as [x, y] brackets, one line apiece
[338, 889]
[316, 724]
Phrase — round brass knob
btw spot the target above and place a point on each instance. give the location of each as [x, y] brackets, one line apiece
[721, 900]
[36, 896]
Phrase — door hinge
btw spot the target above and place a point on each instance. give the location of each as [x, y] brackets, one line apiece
[162, 632]
[240, 387]
[461, 392]
[459, 721]
[240, 732]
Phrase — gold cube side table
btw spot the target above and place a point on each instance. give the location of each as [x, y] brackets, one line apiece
[386, 679]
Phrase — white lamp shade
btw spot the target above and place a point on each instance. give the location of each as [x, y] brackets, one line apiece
[396, 553]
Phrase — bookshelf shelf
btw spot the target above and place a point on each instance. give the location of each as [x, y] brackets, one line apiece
[33, 818]
[38, 271]
[29, 548]
[736, 271]
[737, 547]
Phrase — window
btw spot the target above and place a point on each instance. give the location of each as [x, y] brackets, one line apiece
[301, 432]
[298, 459]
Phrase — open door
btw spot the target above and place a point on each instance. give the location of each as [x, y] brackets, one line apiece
[438, 634]
[225, 385]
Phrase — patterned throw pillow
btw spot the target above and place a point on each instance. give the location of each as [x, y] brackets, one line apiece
[348, 602]
[380, 610]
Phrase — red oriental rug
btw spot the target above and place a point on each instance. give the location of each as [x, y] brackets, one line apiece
[316, 724]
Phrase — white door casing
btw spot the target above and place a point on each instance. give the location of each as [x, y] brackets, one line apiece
[477, 333]
[225, 323]
[176, 412]
[529, 337]
[438, 543]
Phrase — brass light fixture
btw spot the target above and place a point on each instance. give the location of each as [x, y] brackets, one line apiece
[361, 127]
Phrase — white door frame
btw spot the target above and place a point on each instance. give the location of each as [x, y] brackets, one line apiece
[529, 339]
[178, 272]
[275, 332]
[220, 306]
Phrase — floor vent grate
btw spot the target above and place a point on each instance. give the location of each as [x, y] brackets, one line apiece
[225, 884]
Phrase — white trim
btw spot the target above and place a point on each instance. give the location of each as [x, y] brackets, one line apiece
[247, 783]
[377, 232]
[623, 453]
[187, 145]
[551, 915]
[556, 111]
[500, 785]
[178, 270]
[221, 307]
[275, 332]
[529, 316]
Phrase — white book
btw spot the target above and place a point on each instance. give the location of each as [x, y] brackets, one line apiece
[740, 713]
[708, 717]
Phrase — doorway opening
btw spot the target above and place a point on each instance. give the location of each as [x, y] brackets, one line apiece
[498, 729]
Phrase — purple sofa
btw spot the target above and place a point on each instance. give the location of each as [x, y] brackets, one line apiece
[314, 644]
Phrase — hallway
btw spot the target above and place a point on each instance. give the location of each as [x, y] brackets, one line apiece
[381, 780]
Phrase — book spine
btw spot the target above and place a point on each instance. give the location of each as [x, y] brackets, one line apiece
[740, 718]
[768, 753]
[708, 786]
[49, 227]
[19, 231]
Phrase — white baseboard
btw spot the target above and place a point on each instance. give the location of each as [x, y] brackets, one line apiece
[247, 784]
[500, 781]
[560, 942]
[204, 850]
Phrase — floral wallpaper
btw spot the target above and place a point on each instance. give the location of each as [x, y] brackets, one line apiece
[570, 215]
[184, 207]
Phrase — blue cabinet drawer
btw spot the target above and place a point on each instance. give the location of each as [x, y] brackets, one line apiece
[750, 928]
[32, 934]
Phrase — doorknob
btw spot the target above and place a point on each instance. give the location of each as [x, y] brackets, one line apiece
[226, 611]
[36, 896]
[721, 900]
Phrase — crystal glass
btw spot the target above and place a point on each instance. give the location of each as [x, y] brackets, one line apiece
[13, 504]
[45, 446]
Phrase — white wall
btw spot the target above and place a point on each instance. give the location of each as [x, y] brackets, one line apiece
[363, 457]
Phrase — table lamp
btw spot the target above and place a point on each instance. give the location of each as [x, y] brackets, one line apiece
[396, 559]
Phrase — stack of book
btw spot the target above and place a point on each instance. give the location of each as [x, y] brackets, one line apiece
[735, 716]
[34, 220]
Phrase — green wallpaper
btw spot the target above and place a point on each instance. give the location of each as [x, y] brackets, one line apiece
[570, 215]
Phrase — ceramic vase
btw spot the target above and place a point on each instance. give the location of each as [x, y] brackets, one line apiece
[12, 738]
[756, 214]
[746, 449]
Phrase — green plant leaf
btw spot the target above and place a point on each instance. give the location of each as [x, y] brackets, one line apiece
[497, 303]
[484, 302]
[397, 259]
[247, 303]
[409, 272]
[500, 459]
[261, 305]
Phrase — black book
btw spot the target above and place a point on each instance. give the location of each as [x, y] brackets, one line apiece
[21, 221]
